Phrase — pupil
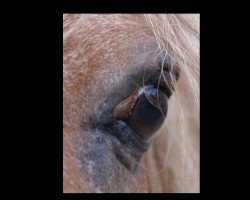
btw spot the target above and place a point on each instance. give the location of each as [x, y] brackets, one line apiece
[149, 112]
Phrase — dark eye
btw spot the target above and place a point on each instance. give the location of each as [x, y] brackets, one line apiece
[144, 111]
[149, 112]
[136, 119]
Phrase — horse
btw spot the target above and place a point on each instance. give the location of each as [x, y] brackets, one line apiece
[131, 103]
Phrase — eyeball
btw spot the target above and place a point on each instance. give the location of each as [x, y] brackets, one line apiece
[144, 111]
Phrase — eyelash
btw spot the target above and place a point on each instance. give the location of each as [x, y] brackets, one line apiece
[165, 83]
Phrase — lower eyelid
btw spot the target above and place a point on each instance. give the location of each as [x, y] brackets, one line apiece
[126, 136]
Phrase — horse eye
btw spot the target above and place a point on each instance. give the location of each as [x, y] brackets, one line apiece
[148, 112]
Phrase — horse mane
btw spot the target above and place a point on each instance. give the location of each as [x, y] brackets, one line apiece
[173, 161]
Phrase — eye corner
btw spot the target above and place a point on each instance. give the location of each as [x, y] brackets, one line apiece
[123, 109]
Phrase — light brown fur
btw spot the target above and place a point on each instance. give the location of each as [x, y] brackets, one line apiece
[106, 53]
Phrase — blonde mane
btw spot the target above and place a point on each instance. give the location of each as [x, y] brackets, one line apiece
[173, 161]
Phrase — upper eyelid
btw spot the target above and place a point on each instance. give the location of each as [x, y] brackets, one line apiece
[171, 72]
[164, 80]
